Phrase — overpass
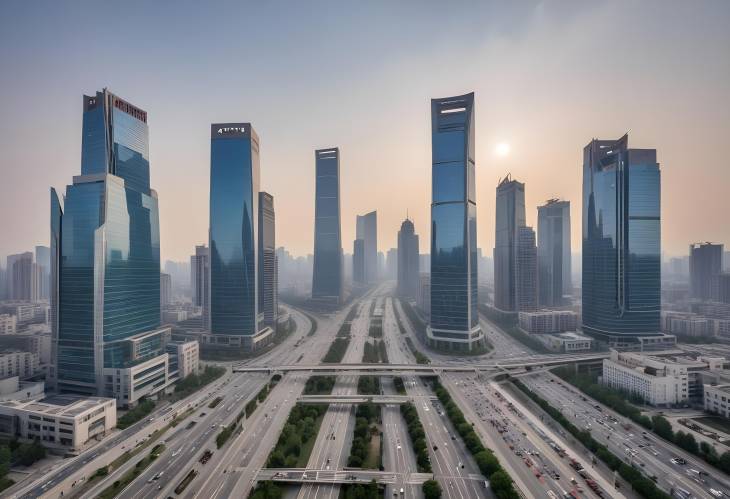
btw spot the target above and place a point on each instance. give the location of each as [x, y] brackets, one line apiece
[302, 475]
[360, 399]
[524, 364]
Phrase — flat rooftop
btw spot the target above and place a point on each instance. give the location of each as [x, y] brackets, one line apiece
[58, 405]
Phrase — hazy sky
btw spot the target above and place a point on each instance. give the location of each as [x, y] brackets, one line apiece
[548, 77]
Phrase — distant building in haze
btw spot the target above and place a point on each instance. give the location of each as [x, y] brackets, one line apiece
[358, 261]
[200, 280]
[24, 277]
[526, 270]
[43, 261]
[268, 270]
[367, 230]
[408, 268]
[510, 215]
[165, 289]
[327, 271]
[391, 264]
[705, 264]
[454, 321]
[554, 254]
[621, 242]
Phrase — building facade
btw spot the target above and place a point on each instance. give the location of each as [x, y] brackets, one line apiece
[8, 324]
[165, 290]
[234, 187]
[554, 253]
[717, 400]
[705, 264]
[509, 216]
[526, 270]
[408, 261]
[200, 281]
[548, 321]
[454, 321]
[18, 363]
[184, 358]
[268, 268]
[106, 253]
[366, 227]
[327, 270]
[621, 242]
[358, 261]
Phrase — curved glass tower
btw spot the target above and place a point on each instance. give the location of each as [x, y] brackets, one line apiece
[621, 241]
[454, 315]
[327, 271]
[106, 257]
[234, 188]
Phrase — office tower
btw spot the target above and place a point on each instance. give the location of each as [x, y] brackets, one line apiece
[391, 264]
[165, 289]
[268, 270]
[106, 261]
[327, 267]
[234, 188]
[621, 241]
[510, 215]
[408, 269]
[526, 278]
[367, 230]
[381, 265]
[358, 261]
[723, 287]
[705, 263]
[454, 319]
[726, 261]
[24, 277]
[200, 280]
[43, 259]
[553, 252]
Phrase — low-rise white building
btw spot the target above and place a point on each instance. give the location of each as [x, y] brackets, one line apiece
[62, 423]
[130, 384]
[548, 321]
[667, 380]
[569, 342]
[717, 400]
[184, 359]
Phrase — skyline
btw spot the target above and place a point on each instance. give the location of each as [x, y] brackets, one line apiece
[374, 107]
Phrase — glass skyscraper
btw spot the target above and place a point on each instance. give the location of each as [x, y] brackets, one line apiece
[553, 252]
[621, 241]
[454, 320]
[268, 269]
[408, 265]
[234, 191]
[509, 217]
[106, 253]
[327, 270]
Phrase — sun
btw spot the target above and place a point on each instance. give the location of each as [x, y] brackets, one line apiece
[502, 149]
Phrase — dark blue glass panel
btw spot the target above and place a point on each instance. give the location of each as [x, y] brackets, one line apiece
[448, 182]
[131, 151]
[94, 153]
[449, 271]
[327, 271]
[232, 237]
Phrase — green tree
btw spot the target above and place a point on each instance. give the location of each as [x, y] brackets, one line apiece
[662, 427]
[431, 489]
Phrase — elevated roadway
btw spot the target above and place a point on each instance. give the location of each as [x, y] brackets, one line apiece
[359, 399]
[304, 475]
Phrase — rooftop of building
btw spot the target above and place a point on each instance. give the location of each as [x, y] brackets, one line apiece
[722, 388]
[572, 335]
[58, 405]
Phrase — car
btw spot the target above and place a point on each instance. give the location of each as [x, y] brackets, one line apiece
[435, 447]
[716, 493]
[678, 460]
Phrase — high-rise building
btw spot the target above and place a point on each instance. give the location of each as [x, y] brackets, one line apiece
[705, 263]
[268, 269]
[621, 241]
[526, 270]
[454, 321]
[509, 216]
[367, 230]
[553, 252]
[200, 280]
[24, 277]
[234, 187]
[327, 269]
[358, 261]
[43, 260]
[106, 262]
[408, 269]
[391, 264]
[165, 289]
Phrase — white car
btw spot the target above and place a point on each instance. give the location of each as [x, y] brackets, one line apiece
[716, 493]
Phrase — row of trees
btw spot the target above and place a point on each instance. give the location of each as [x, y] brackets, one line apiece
[367, 417]
[361, 491]
[319, 385]
[417, 436]
[400, 387]
[499, 480]
[616, 400]
[376, 327]
[368, 385]
[375, 353]
[337, 350]
[301, 426]
[144, 408]
[639, 483]
[420, 358]
[194, 382]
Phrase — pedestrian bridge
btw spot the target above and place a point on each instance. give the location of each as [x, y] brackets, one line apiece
[302, 475]
[524, 364]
